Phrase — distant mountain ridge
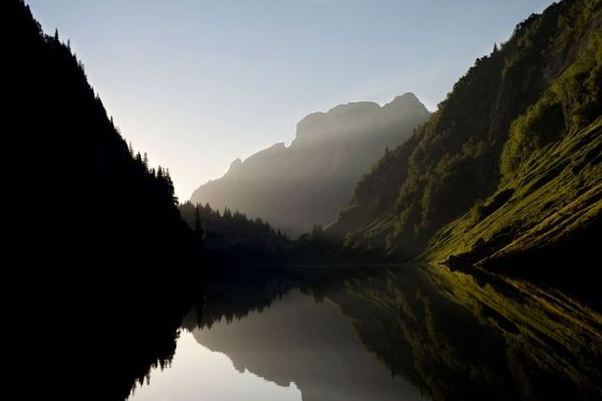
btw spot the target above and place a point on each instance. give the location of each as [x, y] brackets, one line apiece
[309, 181]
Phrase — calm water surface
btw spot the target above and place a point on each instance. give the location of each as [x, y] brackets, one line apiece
[405, 333]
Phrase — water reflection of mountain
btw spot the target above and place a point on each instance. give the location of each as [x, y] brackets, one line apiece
[452, 335]
[311, 344]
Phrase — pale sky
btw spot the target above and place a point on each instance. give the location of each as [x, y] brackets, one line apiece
[198, 83]
[199, 374]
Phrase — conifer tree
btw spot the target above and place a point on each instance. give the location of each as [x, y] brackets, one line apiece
[198, 224]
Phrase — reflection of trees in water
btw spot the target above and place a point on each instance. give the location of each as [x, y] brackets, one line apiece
[92, 349]
[459, 339]
[234, 294]
[311, 344]
[453, 336]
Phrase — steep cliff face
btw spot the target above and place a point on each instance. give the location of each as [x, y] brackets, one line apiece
[512, 152]
[311, 180]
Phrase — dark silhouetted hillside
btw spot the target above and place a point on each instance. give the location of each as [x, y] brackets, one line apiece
[83, 210]
[96, 257]
[231, 237]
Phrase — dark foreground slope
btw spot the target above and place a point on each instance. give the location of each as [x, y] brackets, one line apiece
[82, 211]
[510, 163]
[95, 253]
[310, 181]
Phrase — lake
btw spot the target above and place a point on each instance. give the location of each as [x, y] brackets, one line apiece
[379, 333]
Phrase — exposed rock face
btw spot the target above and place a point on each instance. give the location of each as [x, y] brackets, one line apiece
[311, 180]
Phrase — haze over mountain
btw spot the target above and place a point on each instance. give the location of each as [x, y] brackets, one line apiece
[176, 76]
[309, 181]
[509, 167]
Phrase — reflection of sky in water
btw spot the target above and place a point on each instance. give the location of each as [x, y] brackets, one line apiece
[296, 349]
[341, 345]
[198, 374]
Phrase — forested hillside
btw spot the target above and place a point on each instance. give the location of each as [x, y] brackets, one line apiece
[509, 165]
[84, 210]
[233, 237]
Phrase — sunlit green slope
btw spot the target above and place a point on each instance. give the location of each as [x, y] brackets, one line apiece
[509, 166]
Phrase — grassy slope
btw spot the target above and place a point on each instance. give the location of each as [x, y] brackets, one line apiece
[510, 162]
[557, 196]
[550, 193]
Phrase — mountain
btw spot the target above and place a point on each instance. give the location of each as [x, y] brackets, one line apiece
[83, 210]
[308, 182]
[507, 171]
